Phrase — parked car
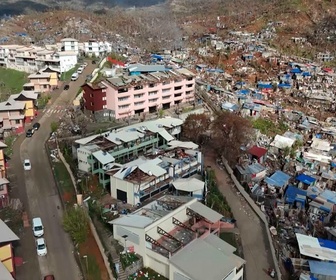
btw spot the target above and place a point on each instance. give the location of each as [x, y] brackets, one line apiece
[49, 277]
[94, 62]
[26, 165]
[30, 132]
[37, 227]
[41, 247]
[85, 64]
[74, 76]
[80, 70]
[66, 87]
[36, 126]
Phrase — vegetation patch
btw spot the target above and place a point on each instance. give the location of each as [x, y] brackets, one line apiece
[64, 182]
[11, 82]
[145, 274]
[76, 223]
[9, 141]
[66, 76]
[268, 127]
[215, 199]
[43, 100]
[128, 259]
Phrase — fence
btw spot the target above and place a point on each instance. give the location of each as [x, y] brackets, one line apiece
[257, 210]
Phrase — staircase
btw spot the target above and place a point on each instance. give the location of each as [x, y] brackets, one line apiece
[121, 275]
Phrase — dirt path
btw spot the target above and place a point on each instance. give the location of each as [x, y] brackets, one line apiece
[254, 242]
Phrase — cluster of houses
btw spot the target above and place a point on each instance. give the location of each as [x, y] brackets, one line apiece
[147, 166]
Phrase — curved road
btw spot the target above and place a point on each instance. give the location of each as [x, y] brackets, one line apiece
[39, 194]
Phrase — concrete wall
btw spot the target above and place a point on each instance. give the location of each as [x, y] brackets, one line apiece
[257, 210]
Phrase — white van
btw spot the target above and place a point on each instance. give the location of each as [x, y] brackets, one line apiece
[74, 76]
[38, 227]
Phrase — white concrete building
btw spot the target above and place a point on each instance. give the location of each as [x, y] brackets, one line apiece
[67, 60]
[95, 48]
[178, 238]
[69, 45]
[32, 59]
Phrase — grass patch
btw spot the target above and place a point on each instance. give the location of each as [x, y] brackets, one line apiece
[92, 268]
[268, 127]
[128, 259]
[66, 76]
[145, 274]
[9, 141]
[11, 82]
[64, 182]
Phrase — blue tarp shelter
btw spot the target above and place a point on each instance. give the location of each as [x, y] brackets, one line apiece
[306, 74]
[318, 268]
[279, 179]
[264, 86]
[329, 196]
[294, 194]
[243, 92]
[327, 243]
[230, 107]
[295, 71]
[282, 85]
[305, 179]
[156, 56]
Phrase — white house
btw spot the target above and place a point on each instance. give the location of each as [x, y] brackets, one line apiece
[69, 45]
[178, 238]
[67, 60]
[95, 48]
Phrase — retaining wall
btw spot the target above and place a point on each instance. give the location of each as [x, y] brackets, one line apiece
[257, 210]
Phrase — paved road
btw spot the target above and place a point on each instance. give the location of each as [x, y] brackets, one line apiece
[256, 252]
[37, 190]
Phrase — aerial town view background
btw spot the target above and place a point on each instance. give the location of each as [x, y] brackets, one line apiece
[177, 139]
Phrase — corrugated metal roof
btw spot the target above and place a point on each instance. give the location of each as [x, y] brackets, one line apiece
[6, 234]
[206, 212]
[103, 157]
[188, 184]
[202, 259]
[166, 135]
[136, 221]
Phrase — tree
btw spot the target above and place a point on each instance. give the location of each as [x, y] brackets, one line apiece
[229, 133]
[76, 223]
[195, 125]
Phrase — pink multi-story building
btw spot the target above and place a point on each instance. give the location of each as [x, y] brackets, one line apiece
[132, 94]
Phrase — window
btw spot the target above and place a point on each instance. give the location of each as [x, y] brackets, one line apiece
[151, 85]
[104, 106]
[139, 95]
[153, 100]
[17, 121]
[188, 92]
[123, 98]
[104, 98]
[123, 106]
[166, 97]
[139, 103]
[121, 90]
[178, 88]
[166, 90]
[189, 85]
[151, 93]
[2, 187]
[178, 95]
[190, 78]
[138, 87]
[92, 103]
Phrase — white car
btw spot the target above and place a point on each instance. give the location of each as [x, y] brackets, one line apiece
[37, 226]
[41, 247]
[80, 70]
[27, 165]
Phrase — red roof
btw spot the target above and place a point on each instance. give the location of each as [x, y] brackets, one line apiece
[115, 62]
[257, 151]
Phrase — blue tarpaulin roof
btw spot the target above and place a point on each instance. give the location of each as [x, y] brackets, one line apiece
[278, 179]
[284, 85]
[294, 194]
[243, 91]
[329, 196]
[305, 179]
[295, 70]
[261, 85]
[322, 268]
[306, 74]
[158, 57]
[327, 243]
